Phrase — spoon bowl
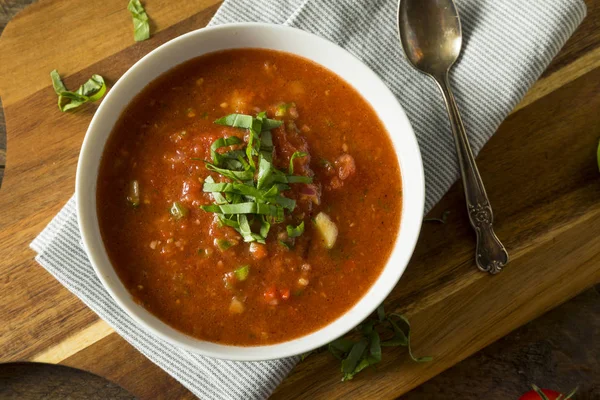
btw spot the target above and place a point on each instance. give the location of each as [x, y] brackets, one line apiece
[431, 34]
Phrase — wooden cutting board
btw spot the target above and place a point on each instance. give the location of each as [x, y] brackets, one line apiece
[540, 172]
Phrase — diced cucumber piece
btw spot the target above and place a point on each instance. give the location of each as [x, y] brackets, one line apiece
[327, 228]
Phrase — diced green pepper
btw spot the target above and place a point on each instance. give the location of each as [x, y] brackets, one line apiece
[242, 273]
[178, 211]
[223, 244]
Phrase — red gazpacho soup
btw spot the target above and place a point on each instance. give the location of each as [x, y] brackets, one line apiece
[249, 197]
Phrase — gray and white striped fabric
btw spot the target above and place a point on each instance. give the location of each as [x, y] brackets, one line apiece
[507, 45]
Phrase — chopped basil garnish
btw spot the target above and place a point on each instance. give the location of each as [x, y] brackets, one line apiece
[358, 352]
[223, 142]
[245, 122]
[295, 231]
[178, 211]
[141, 26]
[297, 154]
[255, 193]
[90, 91]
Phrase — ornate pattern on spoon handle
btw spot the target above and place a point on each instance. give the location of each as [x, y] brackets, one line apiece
[490, 254]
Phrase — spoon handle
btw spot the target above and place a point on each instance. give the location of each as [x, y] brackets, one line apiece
[490, 254]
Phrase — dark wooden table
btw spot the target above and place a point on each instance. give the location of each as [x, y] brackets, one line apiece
[561, 349]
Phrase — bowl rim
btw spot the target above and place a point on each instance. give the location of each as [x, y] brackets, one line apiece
[87, 214]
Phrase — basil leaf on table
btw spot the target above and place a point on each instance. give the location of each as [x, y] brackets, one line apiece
[141, 26]
[362, 348]
[91, 90]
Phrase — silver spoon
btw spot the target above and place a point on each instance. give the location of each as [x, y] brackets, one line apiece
[431, 38]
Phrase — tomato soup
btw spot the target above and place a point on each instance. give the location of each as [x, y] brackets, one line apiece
[248, 197]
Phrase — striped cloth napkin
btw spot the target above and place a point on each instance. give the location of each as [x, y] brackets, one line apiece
[508, 43]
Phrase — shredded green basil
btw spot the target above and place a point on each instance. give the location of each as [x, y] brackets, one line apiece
[141, 25]
[358, 353]
[295, 231]
[296, 154]
[223, 142]
[90, 91]
[245, 122]
[256, 191]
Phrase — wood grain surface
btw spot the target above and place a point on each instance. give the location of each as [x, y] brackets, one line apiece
[539, 171]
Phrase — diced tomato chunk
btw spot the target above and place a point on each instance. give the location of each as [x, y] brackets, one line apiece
[284, 293]
[346, 166]
[258, 251]
[270, 294]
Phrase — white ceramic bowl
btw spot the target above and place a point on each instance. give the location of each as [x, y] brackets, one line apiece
[273, 37]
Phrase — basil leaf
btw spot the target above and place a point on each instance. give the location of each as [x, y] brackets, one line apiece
[217, 197]
[296, 154]
[285, 202]
[245, 122]
[265, 226]
[266, 143]
[399, 338]
[380, 313]
[236, 121]
[298, 179]
[59, 86]
[243, 208]
[287, 246]
[248, 191]
[228, 222]
[340, 347]
[219, 143]
[269, 124]
[91, 90]
[244, 229]
[405, 320]
[375, 348]
[295, 231]
[235, 175]
[350, 363]
[265, 170]
[141, 26]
